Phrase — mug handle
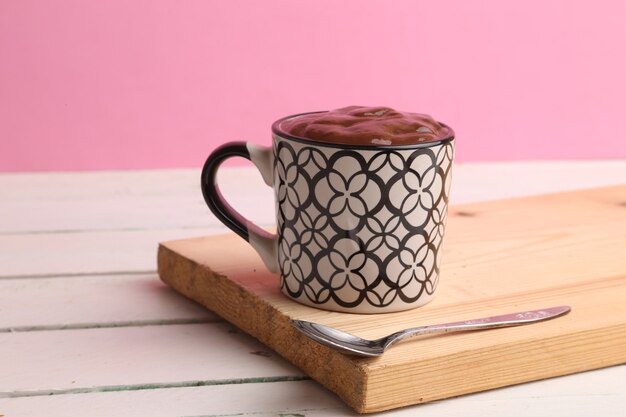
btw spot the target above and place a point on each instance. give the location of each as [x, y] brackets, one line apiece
[264, 242]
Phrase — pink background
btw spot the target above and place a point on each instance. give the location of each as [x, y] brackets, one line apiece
[146, 84]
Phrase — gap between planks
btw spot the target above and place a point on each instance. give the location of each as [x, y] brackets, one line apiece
[78, 274]
[214, 228]
[156, 385]
[134, 323]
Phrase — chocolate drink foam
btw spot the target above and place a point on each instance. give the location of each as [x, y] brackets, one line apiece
[359, 125]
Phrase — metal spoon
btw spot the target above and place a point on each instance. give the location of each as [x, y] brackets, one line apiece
[354, 345]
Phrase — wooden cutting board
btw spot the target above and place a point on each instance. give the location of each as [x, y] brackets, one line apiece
[499, 257]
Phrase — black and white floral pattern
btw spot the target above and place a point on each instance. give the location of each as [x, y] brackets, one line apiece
[361, 229]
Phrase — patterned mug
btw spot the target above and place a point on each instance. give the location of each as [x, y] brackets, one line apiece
[359, 228]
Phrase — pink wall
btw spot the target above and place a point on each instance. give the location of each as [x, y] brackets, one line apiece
[155, 83]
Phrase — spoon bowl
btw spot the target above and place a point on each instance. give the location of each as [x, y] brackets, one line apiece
[353, 345]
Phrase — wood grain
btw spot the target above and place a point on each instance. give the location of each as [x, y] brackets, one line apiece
[499, 257]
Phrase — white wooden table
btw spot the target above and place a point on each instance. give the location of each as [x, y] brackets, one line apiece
[87, 329]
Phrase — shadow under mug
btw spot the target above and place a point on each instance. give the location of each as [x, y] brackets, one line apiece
[359, 227]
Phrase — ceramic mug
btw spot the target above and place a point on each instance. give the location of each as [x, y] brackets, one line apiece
[359, 227]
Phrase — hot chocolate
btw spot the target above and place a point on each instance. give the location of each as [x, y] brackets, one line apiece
[358, 125]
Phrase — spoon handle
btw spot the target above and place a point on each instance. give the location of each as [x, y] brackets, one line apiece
[506, 320]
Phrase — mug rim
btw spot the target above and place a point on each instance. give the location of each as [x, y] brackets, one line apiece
[276, 130]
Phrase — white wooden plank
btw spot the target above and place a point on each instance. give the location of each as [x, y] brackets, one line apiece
[86, 253]
[43, 303]
[74, 359]
[171, 198]
[125, 200]
[79, 185]
[474, 182]
[598, 392]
